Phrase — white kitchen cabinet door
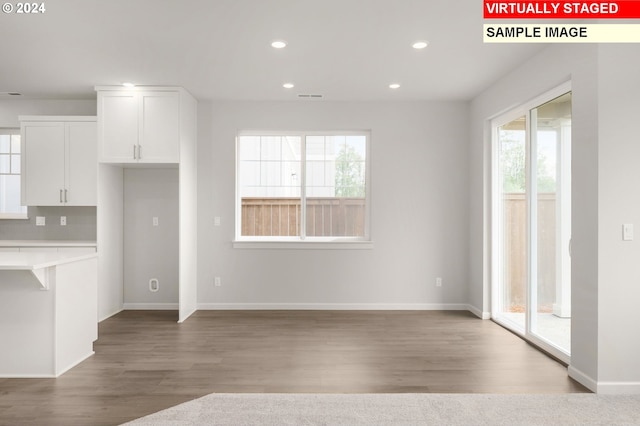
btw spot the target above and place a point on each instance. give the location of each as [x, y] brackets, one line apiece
[59, 161]
[81, 170]
[43, 163]
[139, 126]
[118, 126]
[159, 127]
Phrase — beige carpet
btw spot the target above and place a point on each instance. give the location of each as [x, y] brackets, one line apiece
[400, 409]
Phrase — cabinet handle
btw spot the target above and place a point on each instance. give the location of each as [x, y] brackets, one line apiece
[61, 195]
[65, 196]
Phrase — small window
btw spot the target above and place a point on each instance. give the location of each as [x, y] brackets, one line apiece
[10, 207]
[294, 187]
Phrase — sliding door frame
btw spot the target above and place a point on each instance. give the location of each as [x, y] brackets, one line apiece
[528, 110]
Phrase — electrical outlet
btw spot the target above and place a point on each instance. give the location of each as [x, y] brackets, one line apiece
[216, 221]
[40, 221]
[217, 282]
[63, 221]
[155, 221]
[438, 282]
[154, 285]
[627, 232]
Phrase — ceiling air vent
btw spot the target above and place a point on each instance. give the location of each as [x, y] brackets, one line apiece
[309, 96]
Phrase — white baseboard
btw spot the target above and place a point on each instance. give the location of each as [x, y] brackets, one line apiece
[619, 388]
[73, 364]
[479, 313]
[150, 307]
[110, 315]
[337, 306]
[604, 388]
[183, 318]
[583, 379]
[27, 376]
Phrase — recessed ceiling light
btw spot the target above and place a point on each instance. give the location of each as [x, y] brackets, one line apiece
[420, 44]
[128, 85]
[278, 44]
[394, 86]
[288, 85]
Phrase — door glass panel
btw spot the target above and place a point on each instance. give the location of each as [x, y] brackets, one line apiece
[512, 223]
[551, 280]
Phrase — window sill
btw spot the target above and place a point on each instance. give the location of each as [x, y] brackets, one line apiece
[304, 245]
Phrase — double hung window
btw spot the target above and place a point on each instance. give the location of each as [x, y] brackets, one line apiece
[302, 186]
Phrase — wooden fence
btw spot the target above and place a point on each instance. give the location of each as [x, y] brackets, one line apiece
[335, 217]
[515, 253]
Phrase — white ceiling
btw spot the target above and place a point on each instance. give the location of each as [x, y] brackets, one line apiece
[220, 49]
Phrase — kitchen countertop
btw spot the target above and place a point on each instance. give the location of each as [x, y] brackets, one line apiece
[46, 243]
[34, 261]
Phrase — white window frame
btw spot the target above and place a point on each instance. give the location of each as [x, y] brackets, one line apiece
[6, 215]
[303, 241]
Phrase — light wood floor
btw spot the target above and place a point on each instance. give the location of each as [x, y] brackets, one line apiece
[146, 362]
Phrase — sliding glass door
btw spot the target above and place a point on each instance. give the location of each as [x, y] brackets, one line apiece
[531, 222]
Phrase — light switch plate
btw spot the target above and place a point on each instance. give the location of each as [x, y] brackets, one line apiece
[627, 232]
[40, 221]
[216, 221]
[155, 221]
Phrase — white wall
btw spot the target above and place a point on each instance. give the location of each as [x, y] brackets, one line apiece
[419, 210]
[619, 202]
[10, 109]
[150, 251]
[110, 240]
[188, 209]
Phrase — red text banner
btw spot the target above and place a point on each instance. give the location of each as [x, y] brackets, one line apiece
[624, 9]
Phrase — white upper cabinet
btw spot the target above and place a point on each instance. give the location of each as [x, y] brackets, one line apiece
[42, 177]
[81, 164]
[139, 126]
[159, 127]
[118, 126]
[59, 161]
